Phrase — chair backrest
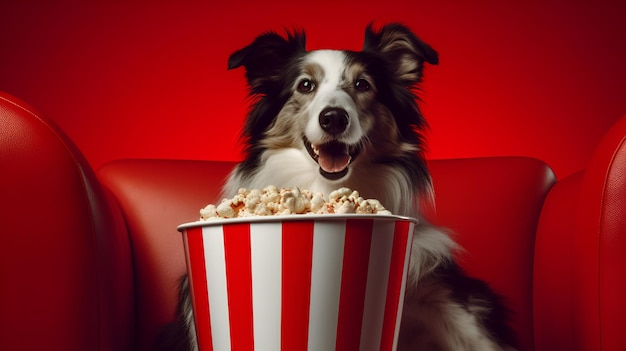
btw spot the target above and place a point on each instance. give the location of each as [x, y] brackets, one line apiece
[492, 205]
[65, 265]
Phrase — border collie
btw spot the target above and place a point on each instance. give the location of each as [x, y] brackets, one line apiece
[326, 119]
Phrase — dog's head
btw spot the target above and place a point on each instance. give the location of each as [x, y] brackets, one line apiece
[340, 107]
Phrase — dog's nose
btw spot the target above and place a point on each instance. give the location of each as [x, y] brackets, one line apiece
[334, 120]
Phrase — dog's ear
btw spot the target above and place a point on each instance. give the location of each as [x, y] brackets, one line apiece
[266, 57]
[404, 51]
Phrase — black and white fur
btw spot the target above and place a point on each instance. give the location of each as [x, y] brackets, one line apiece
[326, 119]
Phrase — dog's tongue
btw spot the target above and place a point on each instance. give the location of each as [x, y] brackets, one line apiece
[333, 157]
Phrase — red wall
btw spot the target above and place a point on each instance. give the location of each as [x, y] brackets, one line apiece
[148, 79]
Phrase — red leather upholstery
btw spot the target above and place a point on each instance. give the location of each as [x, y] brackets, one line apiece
[600, 247]
[65, 265]
[580, 265]
[156, 196]
[553, 307]
[492, 205]
[83, 270]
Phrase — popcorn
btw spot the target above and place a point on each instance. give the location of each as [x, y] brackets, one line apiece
[271, 201]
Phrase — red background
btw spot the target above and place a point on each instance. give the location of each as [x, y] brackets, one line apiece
[148, 78]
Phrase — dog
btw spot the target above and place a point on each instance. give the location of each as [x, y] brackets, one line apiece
[325, 119]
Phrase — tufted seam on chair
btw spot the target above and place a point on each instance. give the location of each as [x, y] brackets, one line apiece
[615, 175]
[611, 232]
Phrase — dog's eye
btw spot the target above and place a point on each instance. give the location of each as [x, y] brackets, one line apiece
[362, 85]
[306, 86]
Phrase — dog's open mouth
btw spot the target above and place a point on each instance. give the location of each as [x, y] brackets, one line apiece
[333, 157]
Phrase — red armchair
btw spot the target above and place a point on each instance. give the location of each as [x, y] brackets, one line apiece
[91, 260]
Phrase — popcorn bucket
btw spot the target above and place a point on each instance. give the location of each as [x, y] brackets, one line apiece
[298, 282]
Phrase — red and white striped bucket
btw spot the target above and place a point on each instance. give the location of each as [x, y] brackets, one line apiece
[309, 282]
